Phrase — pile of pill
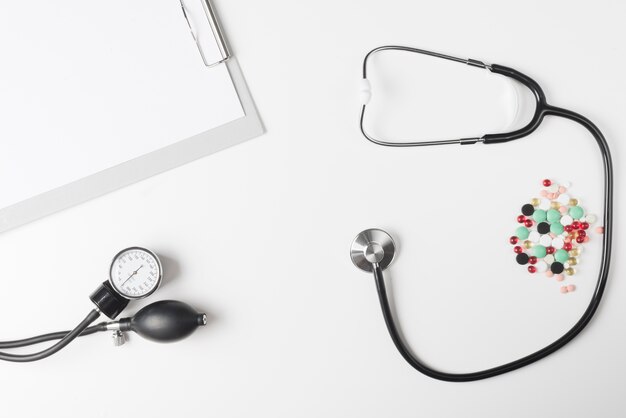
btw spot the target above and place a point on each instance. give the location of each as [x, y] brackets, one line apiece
[553, 231]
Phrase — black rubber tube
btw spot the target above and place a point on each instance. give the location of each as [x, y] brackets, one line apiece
[580, 324]
[49, 337]
[68, 338]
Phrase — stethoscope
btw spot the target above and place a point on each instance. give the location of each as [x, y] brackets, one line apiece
[135, 273]
[373, 249]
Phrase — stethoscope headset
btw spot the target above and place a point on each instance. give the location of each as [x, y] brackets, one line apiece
[373, 249]
[135, 273]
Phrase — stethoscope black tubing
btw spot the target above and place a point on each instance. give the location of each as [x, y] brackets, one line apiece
[68, 338]
[542, 109]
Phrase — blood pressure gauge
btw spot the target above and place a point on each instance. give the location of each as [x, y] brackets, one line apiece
[135, 273]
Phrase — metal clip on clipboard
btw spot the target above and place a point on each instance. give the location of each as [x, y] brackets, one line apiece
[215, 28]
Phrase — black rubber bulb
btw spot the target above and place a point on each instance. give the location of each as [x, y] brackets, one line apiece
[164, 321]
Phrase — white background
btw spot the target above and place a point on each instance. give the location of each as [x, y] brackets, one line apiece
[258, 236]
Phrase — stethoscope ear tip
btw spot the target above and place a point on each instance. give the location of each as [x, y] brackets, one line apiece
[372, 246]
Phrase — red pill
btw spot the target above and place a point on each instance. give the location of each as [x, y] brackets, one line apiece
[568, 228]
[547, 182]
[584, 225]
[582, 233]
[521, 219]
[517, 249]
[549, 250]
[513, 240]
[532, 269]
[580, 240]
[576, 225]
[567, 246]
[528, 223]
[532, 259]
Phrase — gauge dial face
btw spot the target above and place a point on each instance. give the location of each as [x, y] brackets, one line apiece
[135, 273]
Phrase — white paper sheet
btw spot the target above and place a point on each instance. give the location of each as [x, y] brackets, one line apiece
[87, 85]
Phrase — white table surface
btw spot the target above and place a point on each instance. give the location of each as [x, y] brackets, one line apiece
[258, 237]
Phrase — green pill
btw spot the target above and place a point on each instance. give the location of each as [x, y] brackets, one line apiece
[553, 215]
[539, 251]
[576, 212]
[561, 256]
[539, 215]
[556, 228]
[522, 232]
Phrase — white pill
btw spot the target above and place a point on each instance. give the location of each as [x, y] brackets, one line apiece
[541, 266]
[545, 240]
[558, 243]
[544, 203]
[549, 259]
[563, 199]
[566, 184]
[566, 265]
[566, 220]
[591, 218]
[534, 236]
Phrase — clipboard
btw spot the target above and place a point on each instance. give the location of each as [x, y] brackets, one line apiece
[175, 104]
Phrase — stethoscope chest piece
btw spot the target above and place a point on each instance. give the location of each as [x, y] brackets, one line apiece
[372, 246]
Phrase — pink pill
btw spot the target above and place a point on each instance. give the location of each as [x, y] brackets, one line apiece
[600, 230]
[559, 277]
[552, 235]
[571, 287]
[563, 209]
[549, 273]
[562, 189]
[563, 289]
[543, 193]
[556, 195]
[567, 239]
[586, 239]
[550, 196]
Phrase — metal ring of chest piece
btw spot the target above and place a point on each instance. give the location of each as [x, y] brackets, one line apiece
[373, 249]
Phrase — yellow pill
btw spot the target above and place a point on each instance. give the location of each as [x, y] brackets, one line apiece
[535, 202]
[528, 244]
[573, 202]
[575, 252]
[572, 261]
[555, 205]
[570, 271]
